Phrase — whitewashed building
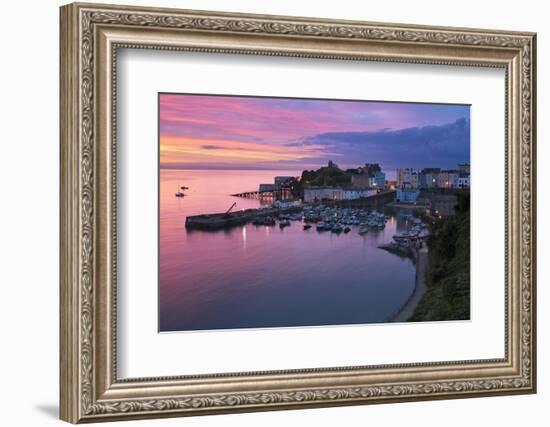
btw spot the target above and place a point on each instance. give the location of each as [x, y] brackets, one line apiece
[357, 193]
[286, 203]
[406, 195]
[407, 178]
[429, 177]
[447, 179]
[317, 194]
[464, 181]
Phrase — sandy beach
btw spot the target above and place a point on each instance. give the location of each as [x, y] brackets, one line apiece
[419, 290]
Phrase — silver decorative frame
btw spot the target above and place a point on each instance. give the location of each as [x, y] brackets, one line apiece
[90, 36]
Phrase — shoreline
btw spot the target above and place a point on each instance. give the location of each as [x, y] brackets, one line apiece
[420, 288]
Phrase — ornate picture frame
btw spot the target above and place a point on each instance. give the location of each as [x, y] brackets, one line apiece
[90, 37]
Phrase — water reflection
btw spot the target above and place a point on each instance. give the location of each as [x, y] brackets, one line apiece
[259, 276]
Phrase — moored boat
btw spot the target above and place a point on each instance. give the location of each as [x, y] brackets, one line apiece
[263, 220]
[269, 220]
[337, 228]
[284, 223]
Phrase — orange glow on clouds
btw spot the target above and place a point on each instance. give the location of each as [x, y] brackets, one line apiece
[214, 132]
[194, 150]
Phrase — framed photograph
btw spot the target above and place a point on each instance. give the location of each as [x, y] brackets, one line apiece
[266, 212]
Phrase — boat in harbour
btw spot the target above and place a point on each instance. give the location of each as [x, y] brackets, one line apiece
[264, 220]
[337, 228]
[284, 223]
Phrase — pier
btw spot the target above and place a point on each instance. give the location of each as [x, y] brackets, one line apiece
[218, 221]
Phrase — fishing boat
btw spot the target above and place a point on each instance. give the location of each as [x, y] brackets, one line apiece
[307, 226]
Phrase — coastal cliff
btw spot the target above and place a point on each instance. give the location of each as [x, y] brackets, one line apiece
[448, 279]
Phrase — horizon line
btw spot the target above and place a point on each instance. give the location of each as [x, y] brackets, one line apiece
[252, 168]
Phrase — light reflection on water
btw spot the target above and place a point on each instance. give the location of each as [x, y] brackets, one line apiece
[257, 276]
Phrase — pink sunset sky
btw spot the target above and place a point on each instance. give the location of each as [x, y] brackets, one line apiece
[233, 132]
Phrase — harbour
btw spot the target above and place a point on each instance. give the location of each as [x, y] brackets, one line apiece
[374, 238]
[277, 276]
[227, 219]
[283, 212]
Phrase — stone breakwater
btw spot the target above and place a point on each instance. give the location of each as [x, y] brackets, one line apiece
[222, 220]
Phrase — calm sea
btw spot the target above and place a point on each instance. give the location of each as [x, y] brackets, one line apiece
[256, 276]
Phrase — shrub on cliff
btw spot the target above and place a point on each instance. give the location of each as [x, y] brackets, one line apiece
[448, 278]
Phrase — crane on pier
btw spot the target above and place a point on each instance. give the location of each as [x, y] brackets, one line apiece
[226, 214]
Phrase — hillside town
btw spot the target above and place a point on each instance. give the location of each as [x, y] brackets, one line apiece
[431, 204]
[427, 188]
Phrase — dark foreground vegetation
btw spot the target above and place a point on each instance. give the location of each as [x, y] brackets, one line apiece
[448, 278]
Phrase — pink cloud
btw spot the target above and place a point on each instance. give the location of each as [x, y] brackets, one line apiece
[274, 122]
